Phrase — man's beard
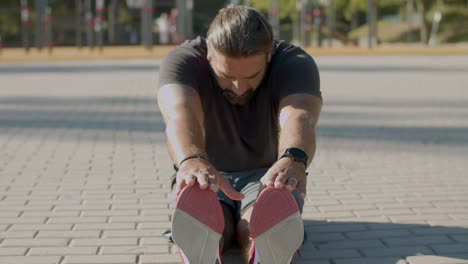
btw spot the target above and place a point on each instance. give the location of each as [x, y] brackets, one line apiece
[238, 99]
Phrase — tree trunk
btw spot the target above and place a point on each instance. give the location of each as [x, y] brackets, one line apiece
[422, 21]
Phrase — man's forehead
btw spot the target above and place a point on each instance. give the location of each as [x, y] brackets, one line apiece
[223, 61]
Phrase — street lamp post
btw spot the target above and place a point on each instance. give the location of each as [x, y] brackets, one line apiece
[189, 21]
[89, 23]
[111, 16]
[318, 23]
[98, 22]
[297, 26]
[146, 24]
[39, 25]
[78, 23]
[25, 23]
[371, 23]
[185, 19]
[48, 28]
[331, 22]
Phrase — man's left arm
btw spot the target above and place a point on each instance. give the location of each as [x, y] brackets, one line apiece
[299, 114]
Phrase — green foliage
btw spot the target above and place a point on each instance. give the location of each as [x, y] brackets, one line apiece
[452, 28]
[287, 8]
[10, 23]
[453, 22]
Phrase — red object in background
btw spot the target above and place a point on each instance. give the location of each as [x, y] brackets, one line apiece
[317, 11]
[25, 15]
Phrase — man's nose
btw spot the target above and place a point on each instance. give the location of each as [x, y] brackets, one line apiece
[239, 87]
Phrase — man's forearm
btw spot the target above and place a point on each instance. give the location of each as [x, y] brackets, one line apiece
[298, 131]
[184, 138]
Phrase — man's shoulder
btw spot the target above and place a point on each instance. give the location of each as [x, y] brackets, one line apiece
[290, 54]
[188, 53]
[195, 46]
[283, 48]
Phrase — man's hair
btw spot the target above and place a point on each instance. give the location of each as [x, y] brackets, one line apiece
[240, 31]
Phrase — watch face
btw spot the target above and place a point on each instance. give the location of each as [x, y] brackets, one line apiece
[297, 153]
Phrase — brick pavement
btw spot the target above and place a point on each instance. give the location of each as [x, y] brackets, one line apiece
[83, 167]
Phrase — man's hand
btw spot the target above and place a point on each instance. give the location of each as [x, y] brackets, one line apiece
[201, 171]
[286, 173]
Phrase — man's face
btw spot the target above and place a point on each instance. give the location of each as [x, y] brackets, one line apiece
[238, 77]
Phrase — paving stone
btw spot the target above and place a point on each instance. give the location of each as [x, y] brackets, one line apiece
[417, 240]
[38, 227]
[435, 260]
[34, 242]
[160, 258]
[62, 251]
[396, 251]
[77, 242]
[17, 234]
[151, 249]
[30, 260]
[444, 249]
[13, 251]
[394, 260]
[98, 259]
[69, 234]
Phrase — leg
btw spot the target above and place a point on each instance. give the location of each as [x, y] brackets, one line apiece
[229, 232]
[243, 234]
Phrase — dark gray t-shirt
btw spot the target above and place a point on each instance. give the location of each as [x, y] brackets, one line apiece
[242, 137]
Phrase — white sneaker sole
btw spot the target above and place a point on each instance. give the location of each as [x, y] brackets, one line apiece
[197, 226]
[276, 227]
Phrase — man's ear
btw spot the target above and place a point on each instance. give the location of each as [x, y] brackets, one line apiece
[269, 57]
[209, 55]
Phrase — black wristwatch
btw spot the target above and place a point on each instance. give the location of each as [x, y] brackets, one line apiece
[296, 154]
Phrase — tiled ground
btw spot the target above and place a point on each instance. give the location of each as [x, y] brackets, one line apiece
[83, 166]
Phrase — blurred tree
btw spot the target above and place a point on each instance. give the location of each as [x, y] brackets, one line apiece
[10, 24]
[287, 8]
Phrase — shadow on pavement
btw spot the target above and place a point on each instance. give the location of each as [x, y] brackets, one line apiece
[377, 243]
[100, 114]
[140, 114]
[426, 121]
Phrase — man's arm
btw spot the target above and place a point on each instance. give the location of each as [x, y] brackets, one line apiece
[183, 114]
[299, 115]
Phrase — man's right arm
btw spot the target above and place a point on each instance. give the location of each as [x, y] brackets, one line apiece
[183, 114]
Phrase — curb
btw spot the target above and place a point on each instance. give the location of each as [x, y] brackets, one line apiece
[138, 52]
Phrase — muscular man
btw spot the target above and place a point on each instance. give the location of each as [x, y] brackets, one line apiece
[240, 110]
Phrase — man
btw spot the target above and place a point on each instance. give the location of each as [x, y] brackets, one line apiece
[240, 110]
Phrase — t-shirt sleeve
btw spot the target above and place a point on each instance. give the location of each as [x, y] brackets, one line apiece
[298, 73]
[179, 67]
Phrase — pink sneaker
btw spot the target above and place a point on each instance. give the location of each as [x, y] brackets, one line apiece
[197, 226]
[276, 227]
